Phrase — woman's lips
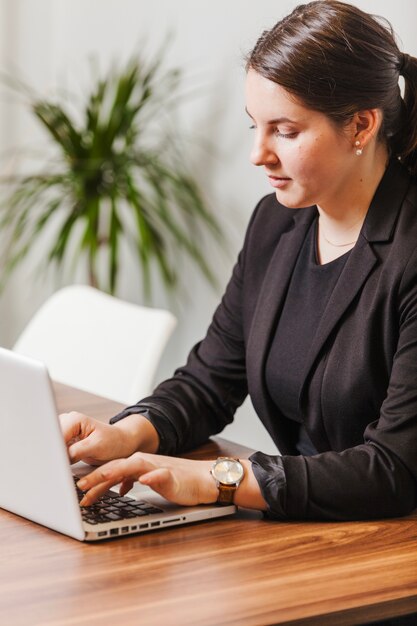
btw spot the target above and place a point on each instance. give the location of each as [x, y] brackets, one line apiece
[278, 181]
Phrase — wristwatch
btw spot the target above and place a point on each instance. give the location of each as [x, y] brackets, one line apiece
[228, 474]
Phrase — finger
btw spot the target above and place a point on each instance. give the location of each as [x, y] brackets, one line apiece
[98, 482]
[161, 480]
[72, 425]
[123, 469]
[126, 486]
[99, 475]
[95, 493]
[81, 450]
[108, 475]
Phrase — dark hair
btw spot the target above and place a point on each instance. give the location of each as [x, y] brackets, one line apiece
[339, 60]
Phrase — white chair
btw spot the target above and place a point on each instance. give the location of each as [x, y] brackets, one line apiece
[98, 343]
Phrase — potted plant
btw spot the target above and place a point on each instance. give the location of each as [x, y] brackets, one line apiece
[117, 177]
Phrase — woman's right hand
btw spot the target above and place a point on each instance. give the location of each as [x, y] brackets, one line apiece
[95, 442]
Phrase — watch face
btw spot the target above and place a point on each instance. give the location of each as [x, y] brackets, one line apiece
[228, 471]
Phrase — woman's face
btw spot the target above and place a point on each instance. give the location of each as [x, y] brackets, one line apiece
[307, 159]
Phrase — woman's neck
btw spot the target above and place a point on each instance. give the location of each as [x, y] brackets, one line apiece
[341, 220]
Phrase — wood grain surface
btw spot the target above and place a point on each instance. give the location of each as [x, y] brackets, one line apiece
[241, 571]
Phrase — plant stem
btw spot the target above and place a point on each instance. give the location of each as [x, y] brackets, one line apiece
[92, 275]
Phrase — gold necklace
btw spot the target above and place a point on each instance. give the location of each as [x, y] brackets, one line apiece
[339, 245]
[343, 245]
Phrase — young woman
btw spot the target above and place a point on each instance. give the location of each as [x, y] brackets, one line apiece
[319, 320]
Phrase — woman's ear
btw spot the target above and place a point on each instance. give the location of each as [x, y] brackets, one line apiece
[366, 125]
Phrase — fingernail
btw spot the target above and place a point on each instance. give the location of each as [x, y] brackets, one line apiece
[82, 483]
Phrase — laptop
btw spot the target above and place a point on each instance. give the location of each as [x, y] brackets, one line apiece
[37, 480]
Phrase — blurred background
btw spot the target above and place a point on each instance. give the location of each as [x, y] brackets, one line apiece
[50, 44]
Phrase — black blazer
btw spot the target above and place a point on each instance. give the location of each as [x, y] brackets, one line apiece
[359, 397]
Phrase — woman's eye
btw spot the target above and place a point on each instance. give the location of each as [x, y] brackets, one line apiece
[291, 135]
[278, 133]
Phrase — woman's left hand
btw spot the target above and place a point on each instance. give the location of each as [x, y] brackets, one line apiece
[182, 481]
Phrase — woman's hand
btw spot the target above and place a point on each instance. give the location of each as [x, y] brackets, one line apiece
[95, 442]
[182, 481]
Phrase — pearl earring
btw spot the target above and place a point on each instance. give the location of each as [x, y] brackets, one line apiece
[359, 150]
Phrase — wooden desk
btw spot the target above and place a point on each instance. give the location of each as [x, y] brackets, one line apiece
[237, 571]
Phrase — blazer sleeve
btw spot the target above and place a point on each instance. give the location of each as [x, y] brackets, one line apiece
[376, 479]
[202, 396]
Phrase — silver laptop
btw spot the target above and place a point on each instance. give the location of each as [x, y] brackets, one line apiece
[37, 481]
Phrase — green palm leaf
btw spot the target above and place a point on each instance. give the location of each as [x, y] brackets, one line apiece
[115, 168]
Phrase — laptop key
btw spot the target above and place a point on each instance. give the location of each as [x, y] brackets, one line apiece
[138, 512]
[115, 516]
[149, 508]
[119, 505]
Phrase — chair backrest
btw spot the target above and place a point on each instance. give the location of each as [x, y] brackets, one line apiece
[97, 342]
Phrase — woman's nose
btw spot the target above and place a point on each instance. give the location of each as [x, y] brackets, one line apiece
[262, 153]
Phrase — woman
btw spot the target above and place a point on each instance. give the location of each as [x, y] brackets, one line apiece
[319, 320]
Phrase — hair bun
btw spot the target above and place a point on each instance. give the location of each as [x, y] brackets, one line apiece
[404, 62]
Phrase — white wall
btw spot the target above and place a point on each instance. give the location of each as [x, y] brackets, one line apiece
[50, 41]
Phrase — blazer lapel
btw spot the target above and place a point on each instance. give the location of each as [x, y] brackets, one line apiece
[358, 267]
[378, 228]
[270, 301]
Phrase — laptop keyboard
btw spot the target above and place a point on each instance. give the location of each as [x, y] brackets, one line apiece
[111, 507]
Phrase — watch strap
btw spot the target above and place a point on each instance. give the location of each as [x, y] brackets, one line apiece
[226, 493]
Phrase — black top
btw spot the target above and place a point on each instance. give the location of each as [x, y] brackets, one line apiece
[308, 294]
